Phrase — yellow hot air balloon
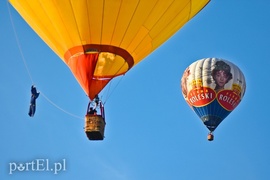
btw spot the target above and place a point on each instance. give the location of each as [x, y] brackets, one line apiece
[101, 39]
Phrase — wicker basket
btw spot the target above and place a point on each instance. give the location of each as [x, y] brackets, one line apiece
[94, 127]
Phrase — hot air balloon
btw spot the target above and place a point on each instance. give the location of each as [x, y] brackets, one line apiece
[213, 88]
[102, 39]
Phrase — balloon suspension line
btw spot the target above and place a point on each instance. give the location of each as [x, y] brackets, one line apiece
[110, 84]
[28, 71]
[110, 92]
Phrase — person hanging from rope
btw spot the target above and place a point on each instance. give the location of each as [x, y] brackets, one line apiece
[34, 96]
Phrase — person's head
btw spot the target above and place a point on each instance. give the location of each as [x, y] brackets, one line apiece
[221, 73]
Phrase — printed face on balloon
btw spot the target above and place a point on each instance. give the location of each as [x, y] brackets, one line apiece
[212, 79]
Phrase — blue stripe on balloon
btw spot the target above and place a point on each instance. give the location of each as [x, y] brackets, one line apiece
[212, 114]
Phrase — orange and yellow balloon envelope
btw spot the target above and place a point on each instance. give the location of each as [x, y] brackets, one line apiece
[101, 39]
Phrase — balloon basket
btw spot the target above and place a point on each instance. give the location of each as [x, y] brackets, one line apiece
[94, 127]
[210, 137]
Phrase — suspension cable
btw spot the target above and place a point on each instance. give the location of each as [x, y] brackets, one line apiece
[110, 92]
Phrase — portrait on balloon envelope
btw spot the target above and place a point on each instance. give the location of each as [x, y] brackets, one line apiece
[221, 75]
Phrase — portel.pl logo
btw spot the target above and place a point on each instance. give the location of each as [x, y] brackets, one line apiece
[38, 165]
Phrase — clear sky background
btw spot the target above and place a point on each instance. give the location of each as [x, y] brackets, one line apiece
[151, 132]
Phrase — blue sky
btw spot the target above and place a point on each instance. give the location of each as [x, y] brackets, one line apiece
[151, 132]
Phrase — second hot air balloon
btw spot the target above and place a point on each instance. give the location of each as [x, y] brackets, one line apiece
[213, 88]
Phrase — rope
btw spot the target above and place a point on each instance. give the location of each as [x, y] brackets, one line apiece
[28, 71]
[18, 44]
[58, 107]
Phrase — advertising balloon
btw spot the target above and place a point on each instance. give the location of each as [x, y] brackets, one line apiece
[213, 88]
